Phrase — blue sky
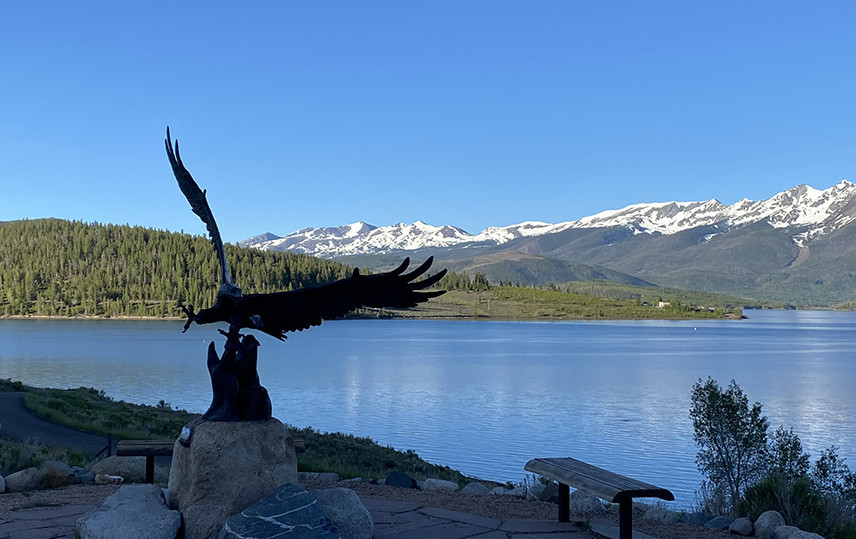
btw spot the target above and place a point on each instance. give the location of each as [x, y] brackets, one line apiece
[471, 113]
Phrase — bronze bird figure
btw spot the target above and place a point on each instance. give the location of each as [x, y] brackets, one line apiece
[281, 312]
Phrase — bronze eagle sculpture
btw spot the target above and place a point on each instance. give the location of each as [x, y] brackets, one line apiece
[280, 312]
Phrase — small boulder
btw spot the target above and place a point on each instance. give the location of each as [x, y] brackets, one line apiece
[659, 513]
[26, 479]
[344, 508]
[767, 523]
[106, 479]
[583, 502]
[534, 492]
[696, 519]
[134, 511]
[518, 491]
[2, 485]
[400, 480]
[721, 522]
[56, 474]
[551, 492]
[475, 488]
[439, 484]
[742, 526]
[82, 475]
[131, 469]
[288, 507]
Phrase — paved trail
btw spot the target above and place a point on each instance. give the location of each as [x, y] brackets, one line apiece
[20, 424]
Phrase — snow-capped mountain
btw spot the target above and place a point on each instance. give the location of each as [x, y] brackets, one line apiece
[817, 211]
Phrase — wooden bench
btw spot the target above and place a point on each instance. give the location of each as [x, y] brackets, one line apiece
[163, 448]
[602, 483]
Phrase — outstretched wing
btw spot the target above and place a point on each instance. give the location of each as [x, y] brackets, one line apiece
[300, 309]
[198, 203]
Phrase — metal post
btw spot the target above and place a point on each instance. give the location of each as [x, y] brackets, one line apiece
[625, 518]
[564, 503]
[150, 469]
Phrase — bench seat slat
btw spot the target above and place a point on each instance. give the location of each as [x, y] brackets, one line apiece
[607, 485]
[143, 448]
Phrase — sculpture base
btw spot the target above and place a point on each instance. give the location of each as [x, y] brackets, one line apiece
[227, 467]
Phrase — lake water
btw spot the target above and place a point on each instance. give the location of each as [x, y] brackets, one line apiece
[485, 397]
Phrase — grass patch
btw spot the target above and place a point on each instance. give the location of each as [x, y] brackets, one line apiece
[90, 410]
[15, 456]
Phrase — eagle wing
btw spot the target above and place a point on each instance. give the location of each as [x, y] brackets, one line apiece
[198, 203]
[297, 310]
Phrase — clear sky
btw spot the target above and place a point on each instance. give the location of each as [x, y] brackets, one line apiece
[470, 113]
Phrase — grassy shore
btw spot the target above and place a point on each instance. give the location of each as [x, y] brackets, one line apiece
[90, 410]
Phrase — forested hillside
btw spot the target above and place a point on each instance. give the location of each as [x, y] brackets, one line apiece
[53, 267]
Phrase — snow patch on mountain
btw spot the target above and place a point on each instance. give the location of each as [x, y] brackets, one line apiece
[820, 211]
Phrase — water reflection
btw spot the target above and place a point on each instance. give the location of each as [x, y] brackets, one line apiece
[484, 397]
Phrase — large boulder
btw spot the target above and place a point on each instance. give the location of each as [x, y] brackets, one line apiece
[133, 512]
[131, 469]
[26, 479]
[228, 467]
[287, 512]
[767, 523]
[697, 518]
[400, 480]
[475, 488]
[56, 474]
[583, 502]
[786, 532]
[721, 522]
[344, 508]
[439, 484]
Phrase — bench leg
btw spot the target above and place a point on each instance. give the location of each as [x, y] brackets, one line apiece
[150, 469]
[564, 503]
[625, 519]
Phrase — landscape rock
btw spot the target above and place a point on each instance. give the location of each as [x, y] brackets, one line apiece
[534, 492]
[551, 492]
[659, 513]
[131, 469]
[721, 522]
[742, 526]
[475, 488]
[696, 519]
[106, 479]
[26, 479]
[56, 474]
[518, 491]
[2, 485]
[288, 508]
[439, 484]
[229, 466]
[583, 502]
[767, 523]
[344, 508]
[133, 512]
[400, 480]
[318, 476]
[786, 532]
[82, 475]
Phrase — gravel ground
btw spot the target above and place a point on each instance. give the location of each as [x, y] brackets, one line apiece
[499, 507]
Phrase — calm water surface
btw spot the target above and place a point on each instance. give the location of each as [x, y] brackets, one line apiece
[485, 397]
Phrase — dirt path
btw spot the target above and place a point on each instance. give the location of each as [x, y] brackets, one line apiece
[20, 424]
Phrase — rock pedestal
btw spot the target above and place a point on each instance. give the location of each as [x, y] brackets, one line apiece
[227, 467]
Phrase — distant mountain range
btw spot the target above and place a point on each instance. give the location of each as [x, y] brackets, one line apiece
[795, 247]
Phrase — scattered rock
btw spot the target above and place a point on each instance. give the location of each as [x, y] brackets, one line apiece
[697, 518]
[131, 469]
[400, 480]
[786, 532]
[583, 502]
[439, 484]
[551, 492]
[26, 479]
[742, 526]
[659, 513]
[318, 476]
[289, 507]
[767, 523]
[518, 491]
[228, 467]
[82, 475]
[344, 508]
[106, 479]
[721, 522]
[56, 474]
[134, 511]
[475, 488]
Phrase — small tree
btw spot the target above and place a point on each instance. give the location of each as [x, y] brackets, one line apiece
[732, 438]
[786, 456]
